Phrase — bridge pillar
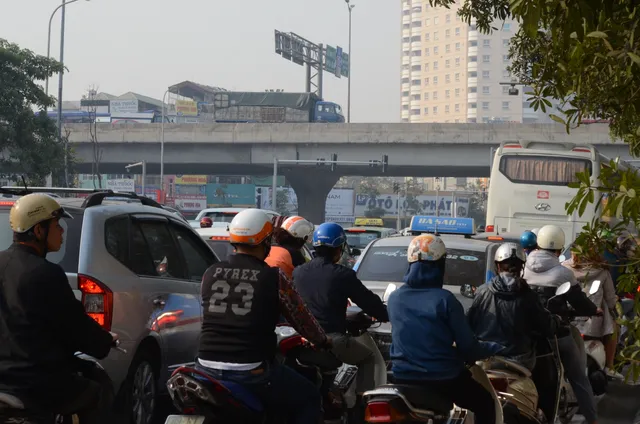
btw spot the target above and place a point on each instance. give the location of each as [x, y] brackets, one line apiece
[312, 188]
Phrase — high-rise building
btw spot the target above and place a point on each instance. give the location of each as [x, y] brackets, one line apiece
[452, 73]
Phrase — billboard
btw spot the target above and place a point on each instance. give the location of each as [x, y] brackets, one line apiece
[345, 65]
[338, 69]
[330, 59]
[231, 195]
[123, 106]
[190, 203]
[427, 205]
[190, 179]
[339, 205]
[124, 184]
[186, 108]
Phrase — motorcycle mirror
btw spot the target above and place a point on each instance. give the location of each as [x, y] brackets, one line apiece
[595, 286]
[467, 290]
[563, 289]
[390, 289]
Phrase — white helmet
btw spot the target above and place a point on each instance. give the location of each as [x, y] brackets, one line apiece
[426, 247]
[509, 251]
[535, 231]
[551, 237]
[250, 226]
[298, 227]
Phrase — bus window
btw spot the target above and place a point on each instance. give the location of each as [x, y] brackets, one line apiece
[545, 170]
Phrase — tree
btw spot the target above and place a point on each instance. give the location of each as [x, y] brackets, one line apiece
[585, 54]
[28, 141]
[282, 201]
[477, 202]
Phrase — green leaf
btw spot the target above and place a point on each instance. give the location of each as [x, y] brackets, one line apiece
[634, 57]
[557, 119]
[597, 34]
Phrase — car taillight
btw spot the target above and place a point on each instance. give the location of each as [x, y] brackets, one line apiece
[500, 384]
[382, 412]
[490, 229]
[97, 300]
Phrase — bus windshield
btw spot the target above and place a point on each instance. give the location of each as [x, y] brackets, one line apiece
[543, 170]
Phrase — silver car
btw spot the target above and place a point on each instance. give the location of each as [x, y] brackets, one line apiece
[137, 269]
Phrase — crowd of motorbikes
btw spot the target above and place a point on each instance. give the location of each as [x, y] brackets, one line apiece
[512, 386]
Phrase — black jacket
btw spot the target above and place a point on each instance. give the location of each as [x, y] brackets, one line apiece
[42, 324]
[508, 312]
[326, 287]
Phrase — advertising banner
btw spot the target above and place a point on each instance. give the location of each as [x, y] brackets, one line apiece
[339, 205]
[123, 106]
[231, 195]
[190, 203]
[427, 205]
[186, 108]
[190, 179]
[125, 184]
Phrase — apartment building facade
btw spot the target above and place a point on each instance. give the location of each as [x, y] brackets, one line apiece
[452, 73]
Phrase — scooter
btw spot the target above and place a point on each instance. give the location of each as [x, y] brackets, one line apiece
[16, 410]
[202, 399]
[408, 404]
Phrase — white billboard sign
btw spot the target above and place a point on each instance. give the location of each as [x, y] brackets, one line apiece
[123, 106]
[124, 184]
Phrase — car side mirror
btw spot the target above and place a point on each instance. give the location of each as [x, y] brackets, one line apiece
[356, 252]
[467, 290]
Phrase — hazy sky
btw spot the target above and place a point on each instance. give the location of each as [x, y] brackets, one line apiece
[147, 45]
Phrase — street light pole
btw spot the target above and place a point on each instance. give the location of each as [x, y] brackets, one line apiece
[46, 84]
[162, 146]
[60, 79]
[350, 7]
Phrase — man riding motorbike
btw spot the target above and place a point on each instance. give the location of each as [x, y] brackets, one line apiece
[206, 222]
[326, 287]
[529, 241]
[545, 274]
[242, 299]
[42, 324]
[431, 339]
[290, 239]
[508, 312]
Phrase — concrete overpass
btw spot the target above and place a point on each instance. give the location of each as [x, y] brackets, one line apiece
[426, 150]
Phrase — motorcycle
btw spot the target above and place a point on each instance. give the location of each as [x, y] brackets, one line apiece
[202, 399]
[408, 404]
[15, 410]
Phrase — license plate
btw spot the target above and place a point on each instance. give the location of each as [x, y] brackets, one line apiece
[184, 419]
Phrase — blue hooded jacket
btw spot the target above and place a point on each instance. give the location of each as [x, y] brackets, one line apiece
[426, 320]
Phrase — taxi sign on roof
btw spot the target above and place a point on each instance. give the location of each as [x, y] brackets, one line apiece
[442, 225]
[369, 222]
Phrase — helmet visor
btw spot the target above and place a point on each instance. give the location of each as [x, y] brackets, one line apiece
[61, 213]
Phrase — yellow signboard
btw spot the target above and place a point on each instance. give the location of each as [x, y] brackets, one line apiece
[186, 108]
[369, 222]
[191, 179]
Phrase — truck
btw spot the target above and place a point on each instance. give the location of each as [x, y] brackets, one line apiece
[271, 107]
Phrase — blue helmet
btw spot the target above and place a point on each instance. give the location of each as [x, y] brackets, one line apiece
[329, 234]
[528, 240]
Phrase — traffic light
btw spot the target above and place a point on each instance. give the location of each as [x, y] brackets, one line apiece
[385, 163]
[334, 159]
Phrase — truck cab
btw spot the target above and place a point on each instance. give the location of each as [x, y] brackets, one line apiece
[328, 112]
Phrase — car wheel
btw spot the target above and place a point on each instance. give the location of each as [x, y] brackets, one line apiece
[141, 390]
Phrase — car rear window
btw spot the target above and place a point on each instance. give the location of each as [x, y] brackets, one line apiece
[361, 238]
[67, 256]
[222, 248]
[221, 216]
[390, 264]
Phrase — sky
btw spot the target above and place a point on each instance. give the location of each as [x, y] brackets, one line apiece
[145, 46]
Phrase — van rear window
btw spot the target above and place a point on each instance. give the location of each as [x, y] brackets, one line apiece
[68, 255]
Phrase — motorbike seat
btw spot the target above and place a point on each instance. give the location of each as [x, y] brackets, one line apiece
[238, 391]
[423, 398]
[11, 401]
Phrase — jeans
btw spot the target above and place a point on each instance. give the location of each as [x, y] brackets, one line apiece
[465, 392]
[280, 389]
[574, 361]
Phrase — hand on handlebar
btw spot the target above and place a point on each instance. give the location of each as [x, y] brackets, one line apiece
[115, 344]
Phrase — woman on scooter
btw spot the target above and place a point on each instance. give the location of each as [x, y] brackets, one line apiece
[587, 269]
[431, 339]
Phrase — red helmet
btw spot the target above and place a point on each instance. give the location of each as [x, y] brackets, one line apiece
[206, 222]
